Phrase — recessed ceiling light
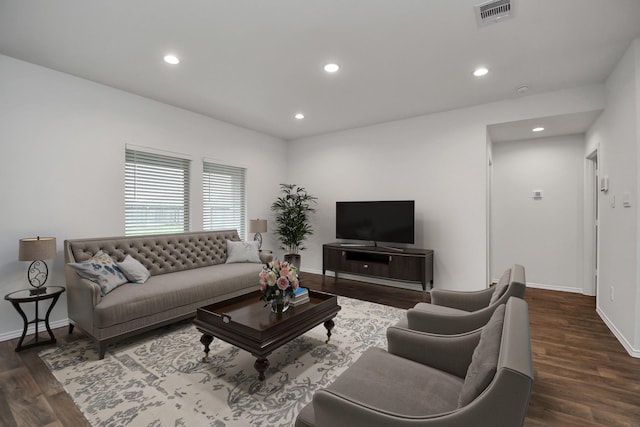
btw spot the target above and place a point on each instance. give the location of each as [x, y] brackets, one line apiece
[331, 68]
[299, 116]
[171, 59]
[538, 129]
[481, 71]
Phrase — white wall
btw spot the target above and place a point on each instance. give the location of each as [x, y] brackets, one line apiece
[62, 144]
[440, 160]
[545, 235]
[616, 133]
[63, 138]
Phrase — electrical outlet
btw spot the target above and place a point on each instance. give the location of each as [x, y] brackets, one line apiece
[611, 296]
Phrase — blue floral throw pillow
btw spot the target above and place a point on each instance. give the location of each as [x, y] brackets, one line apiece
[101, 269]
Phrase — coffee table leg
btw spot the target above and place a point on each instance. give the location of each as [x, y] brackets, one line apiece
[206, 340]
[329, 325]
[261, 365]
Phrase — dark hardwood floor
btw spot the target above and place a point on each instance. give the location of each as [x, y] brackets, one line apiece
[583, 375]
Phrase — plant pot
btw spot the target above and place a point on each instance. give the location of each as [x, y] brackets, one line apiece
[293, 259]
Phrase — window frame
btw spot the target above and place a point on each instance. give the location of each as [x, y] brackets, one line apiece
[230, 187]
[159, 179]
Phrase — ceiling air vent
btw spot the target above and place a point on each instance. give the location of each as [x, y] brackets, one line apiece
[493, 11]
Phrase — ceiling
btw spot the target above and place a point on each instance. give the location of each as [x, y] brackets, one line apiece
[256, 63]
[565, 124]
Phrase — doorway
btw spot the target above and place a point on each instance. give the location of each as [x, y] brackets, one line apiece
[591, 252]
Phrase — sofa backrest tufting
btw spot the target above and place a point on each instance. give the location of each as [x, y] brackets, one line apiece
[161, 253]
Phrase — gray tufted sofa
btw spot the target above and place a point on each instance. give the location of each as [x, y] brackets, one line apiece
[188, 271]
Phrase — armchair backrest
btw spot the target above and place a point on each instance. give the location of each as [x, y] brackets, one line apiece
[504, 402]
[516, 288]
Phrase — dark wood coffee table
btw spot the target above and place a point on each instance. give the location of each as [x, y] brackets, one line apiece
[245, 322]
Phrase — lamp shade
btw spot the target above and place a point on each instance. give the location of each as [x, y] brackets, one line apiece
[37, 248]
[258, 226]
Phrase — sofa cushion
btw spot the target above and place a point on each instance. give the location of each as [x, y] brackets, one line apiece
[242, 252]
[168, 291]
[484, 361]
[501, 286]
[416, 389]
[101, 269]
[134, 270]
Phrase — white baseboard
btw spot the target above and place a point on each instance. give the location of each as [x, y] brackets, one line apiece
[554, 287]
[633, 352]
[31, 330]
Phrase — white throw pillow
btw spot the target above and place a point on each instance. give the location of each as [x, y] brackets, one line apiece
[242, 252]
[101, 269]
[134, 270]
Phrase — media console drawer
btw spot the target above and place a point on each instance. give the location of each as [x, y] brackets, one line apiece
[408, 265]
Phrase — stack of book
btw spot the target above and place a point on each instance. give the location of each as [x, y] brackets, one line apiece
[300, 296]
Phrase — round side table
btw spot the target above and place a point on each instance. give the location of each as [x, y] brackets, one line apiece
[24, 296]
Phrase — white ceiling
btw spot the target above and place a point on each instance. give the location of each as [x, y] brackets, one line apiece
[565, 124]
[256, 63]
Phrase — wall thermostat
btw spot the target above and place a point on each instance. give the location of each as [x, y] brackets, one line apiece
[537, 194]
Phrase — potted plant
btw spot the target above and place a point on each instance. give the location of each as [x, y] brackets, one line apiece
[292, 211]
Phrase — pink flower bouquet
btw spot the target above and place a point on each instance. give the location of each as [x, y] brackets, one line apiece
[277, 279]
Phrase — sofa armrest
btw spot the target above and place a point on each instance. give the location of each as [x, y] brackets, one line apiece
[449, 353]
[457, 322]
[467, 301]
[82, 297]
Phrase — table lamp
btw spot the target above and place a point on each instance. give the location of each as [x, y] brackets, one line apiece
[37, 249]
[258, 226]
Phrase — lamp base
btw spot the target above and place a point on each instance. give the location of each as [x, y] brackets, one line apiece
[258, 238]
[38, 291]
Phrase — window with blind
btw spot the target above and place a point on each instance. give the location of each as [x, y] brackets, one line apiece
[224, 199]
[156, 193]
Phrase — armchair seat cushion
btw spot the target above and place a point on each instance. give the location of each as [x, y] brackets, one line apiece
[440, 309]
[396, 385]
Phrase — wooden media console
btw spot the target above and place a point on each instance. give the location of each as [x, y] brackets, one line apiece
[405, 265]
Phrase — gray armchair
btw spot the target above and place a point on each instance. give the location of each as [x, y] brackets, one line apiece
[480, 378]
[454, 312]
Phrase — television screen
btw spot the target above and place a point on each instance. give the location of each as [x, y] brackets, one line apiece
[380, 221]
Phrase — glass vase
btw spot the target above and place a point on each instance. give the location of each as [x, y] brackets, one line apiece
[280, 304]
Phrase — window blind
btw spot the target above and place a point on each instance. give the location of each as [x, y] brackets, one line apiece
[224, 198]
[156, 193]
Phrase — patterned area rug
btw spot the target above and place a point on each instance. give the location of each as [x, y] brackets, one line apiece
[160, 379]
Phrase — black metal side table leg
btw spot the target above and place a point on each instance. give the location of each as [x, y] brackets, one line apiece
[16, 305]
[52, 338]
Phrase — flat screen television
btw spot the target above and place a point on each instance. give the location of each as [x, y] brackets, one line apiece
[378, 221]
